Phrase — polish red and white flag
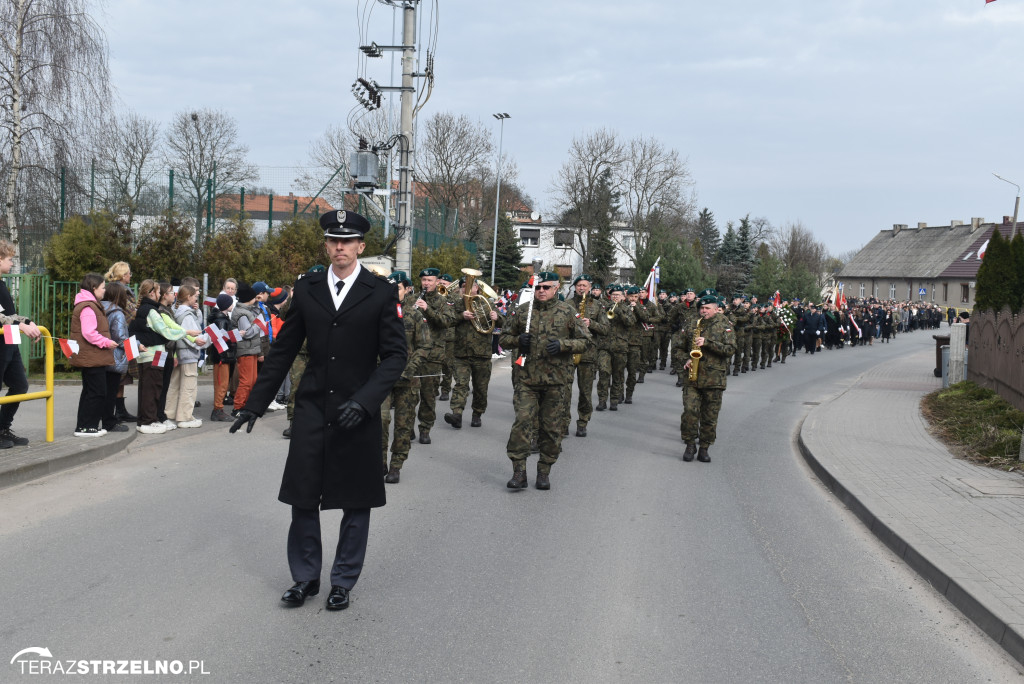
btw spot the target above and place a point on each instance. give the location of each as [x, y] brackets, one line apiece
[160, 359]
[218, 337]
[69, 347]
[12, 334]
[131, 348]
[262, 325]
[209, 301]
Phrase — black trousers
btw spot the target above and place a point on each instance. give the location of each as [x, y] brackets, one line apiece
[113, 384]
[305, 551]
[94, 392]
[12, 371]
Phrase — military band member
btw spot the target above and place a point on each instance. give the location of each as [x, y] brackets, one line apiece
[623, 322]
[679, 319]
[440, 317]
[661, 332]
[540, 388]
[472, 354]
[603, 365]
[448, 360]
[596, 322]
[702, 398]
[405, 394]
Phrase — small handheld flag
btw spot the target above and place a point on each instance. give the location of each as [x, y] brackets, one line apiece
[69, 347]
[12, 334]
[209, 301]
[159, 359]
[262, 325]
[131, 348]
[218, 337]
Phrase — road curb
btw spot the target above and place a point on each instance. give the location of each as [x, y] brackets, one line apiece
[47, 462]
[1008, 636]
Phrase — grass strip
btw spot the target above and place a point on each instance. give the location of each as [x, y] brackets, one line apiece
[976, 424]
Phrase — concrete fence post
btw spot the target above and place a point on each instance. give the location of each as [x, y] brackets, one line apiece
[957, 347]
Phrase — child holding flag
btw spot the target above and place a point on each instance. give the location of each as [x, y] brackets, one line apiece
[150, 329]
[89, 328]
[181, 392]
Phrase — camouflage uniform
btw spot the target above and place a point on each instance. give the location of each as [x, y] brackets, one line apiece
[599, 326]
[404, 395]
[439, 317]
[448, 361]
[540, 386]
[741, 320]
[648, 346]
[768, 335]
[702, 399]
[622, 324]
[603, 363]
[662, 334]
[635, 362]
[472, 362]
[747, 340]
[679, 321]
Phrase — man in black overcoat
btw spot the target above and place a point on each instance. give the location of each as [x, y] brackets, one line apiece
[351, 322]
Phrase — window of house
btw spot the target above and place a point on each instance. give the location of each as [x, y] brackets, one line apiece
[945, 292]
[530, 237]
[965, 293]
[563, 238]
[892, 290]
[861, 295]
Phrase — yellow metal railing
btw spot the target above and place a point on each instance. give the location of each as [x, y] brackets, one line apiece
[47, 393]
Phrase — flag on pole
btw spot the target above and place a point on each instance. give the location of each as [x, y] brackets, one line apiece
[69, 347]
[982, 250]
[159, 359]
[12, 334]
[131, 348]
[653, 278]
[988, 1]
[777, 299]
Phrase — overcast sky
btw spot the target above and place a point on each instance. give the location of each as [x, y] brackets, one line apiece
[847, 115]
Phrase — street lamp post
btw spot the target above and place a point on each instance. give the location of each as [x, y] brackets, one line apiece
[497, 200]
[1016, 205]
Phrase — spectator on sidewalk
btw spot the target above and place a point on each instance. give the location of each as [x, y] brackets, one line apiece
[181, 391]
[121, 273]
[152, 333]
[222, 361]
[248, 353]
[12, 369]
[230, 288]
[95, 352]
[167, 297]
[115, 299]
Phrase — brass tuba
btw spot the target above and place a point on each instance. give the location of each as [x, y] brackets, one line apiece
[695, 352]
[477, 304]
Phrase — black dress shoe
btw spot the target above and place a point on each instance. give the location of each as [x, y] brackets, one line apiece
[296, 596]
[338, 598]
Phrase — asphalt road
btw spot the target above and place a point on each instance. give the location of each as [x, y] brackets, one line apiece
[634, 567]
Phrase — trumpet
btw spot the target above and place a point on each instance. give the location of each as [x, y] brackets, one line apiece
[442, 290]
[610, 313]
[695, 352]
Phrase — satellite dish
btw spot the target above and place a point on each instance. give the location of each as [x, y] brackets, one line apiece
[535, 216]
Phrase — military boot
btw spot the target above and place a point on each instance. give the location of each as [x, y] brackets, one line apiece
[475, 422]
[614, 406]
[454, 419]
[424, 435]
[393, 475]
[679, 381]
[673, 371]
[735, 373]
[581, 431]
[543, 482]
[691, 451]
[628, 399]
[602, 405]
[702, 455]
[640, 379]
[518, 480]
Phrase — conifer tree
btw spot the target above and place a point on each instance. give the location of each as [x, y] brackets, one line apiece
[997, 279]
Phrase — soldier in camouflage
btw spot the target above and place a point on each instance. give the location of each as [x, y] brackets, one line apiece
[603, 365]
[448, 360]
[741, 319]
[634, 361]
[540, 389]
[440, 316]
[661, 332]
[679, 319]
[472, 351]
[405, 393]
[596, 322]
[702, 400]
[623, 321]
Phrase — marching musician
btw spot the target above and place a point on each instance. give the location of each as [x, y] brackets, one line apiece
[591, 315]
[472, 354]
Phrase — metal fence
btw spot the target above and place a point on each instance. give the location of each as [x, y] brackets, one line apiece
[997, 354]
[272, 196]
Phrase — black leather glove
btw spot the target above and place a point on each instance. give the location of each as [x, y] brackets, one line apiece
[244, 416]
[524, 342]
[351, 414]
[554, 346]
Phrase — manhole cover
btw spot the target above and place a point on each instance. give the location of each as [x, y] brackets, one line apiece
[995, 487]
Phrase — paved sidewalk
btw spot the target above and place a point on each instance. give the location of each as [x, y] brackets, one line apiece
[959, 525]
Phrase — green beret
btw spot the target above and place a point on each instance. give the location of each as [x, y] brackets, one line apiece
[545, 276]
[709, 299]
[721, 301]
[633, 289]
[400, 277]
[430, 272]
[583, 276]
[704, 293]
[445, 276]
[596, 286]
[661, 292]
[317, 268]
[687, 290]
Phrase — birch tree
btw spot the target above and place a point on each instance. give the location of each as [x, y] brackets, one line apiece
[54, 81]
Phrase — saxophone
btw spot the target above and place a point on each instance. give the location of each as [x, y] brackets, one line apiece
[695, 352]
[582, 312]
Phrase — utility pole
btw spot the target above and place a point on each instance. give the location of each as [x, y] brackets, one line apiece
[403, 248]
[497, 200]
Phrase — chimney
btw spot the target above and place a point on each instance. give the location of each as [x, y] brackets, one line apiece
[976, 223]
[896, 228]
[955, 222]
[1007, 220]
[921, 224]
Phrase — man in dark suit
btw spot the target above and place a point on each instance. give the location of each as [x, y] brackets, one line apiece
[351, 322]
